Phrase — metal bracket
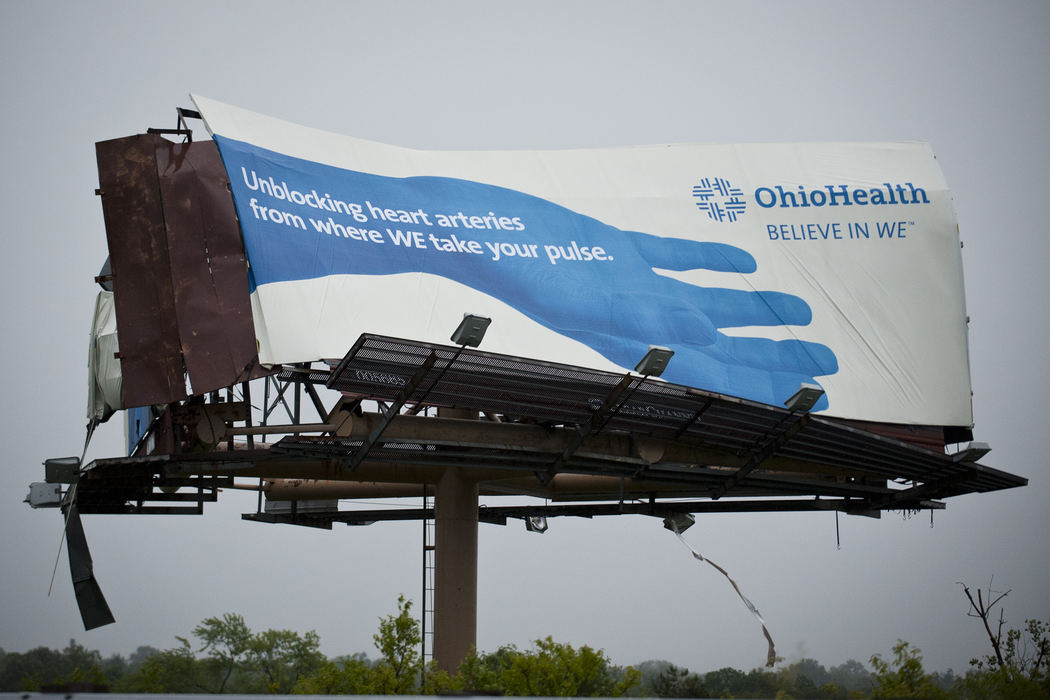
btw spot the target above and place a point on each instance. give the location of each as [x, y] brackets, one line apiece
[599, 418]
[930, 489]
[181, 127]
[762, 455]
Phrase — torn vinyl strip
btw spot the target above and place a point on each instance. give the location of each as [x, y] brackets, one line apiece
[771, 652]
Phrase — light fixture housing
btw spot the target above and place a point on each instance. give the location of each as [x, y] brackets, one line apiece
[61, 470]
[655, 361]
[805, 398]
[536, 523]
[44, 495]
[471, 330]
[679, 522]
[972, 451]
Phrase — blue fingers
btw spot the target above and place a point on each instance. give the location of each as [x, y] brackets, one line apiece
[733, 308]
[793, 356]
[758, 369]
[726, 308]
[697, 367]
[680, 254]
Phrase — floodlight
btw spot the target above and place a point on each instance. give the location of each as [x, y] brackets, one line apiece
[44, 495]
[61, 470]
[679, 522]
[655, 361]
[471, 330]
[805, 398]
[972, 452]
[536, 523]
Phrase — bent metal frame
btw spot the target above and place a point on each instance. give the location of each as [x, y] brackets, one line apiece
[414, 419]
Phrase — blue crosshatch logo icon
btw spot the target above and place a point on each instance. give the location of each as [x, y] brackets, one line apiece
[717, 197]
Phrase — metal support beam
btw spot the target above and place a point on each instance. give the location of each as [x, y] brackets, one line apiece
[761, 455]
[455, 569]
[916, 494]
[353, 460]
[498, 515]
[596, 420]
[271, 406]
[316, 398]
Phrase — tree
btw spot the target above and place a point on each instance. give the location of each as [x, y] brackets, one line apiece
[41, 667]
[725, 682]
[904, 676]
[1019, 665]
[397, 672]
[140, 655]
[227, 641]
[550, 669]
[173, 671]
[113, 668]
[482, 674]
[675, 682]
[398, 643]
[30, 670]
[236, 660]
[284, 657]
[347, 675]
[558, 670]
[852, 677]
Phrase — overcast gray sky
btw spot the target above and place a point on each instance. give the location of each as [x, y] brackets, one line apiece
[968, 77]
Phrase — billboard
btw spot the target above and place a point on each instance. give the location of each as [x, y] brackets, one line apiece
[761, 265]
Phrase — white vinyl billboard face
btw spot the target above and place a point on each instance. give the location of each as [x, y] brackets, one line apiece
[761, 265]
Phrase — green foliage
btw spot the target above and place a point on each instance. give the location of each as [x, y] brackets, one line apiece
[550, 669]
[284, 657]
[1019, 665]
[852, 678]
[1023, 673]
[226, 641]
[42, 666]
[904, 676]
[802, 679]
[999, 684]
[725, 682]
[29, 670]
[347, 675]
[675, 682]
[397, 671]
[230, 658]
[234, 661]
[173, 671]
[438, 682]
[483, 673]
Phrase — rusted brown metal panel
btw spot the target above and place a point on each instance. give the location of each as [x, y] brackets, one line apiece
[932, 437]
[208, 268]
[179, 272]
[151, 361]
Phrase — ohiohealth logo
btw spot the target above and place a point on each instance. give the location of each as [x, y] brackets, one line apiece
[718, 198]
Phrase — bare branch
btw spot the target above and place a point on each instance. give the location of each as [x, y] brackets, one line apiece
[982, 611]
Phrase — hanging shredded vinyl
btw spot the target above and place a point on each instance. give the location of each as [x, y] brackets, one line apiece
[771, 652]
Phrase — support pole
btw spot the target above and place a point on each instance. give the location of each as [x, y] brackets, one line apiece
[455, 568]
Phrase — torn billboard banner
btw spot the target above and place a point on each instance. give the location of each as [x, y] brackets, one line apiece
[761, 265]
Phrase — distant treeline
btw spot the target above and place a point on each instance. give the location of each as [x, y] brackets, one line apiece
[227, 657]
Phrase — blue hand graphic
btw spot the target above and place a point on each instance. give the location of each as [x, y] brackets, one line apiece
[571, 273]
